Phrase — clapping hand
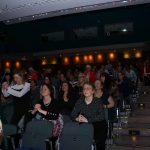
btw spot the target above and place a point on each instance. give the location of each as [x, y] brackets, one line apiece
[38, 107]
[5, 85]
[81, 118]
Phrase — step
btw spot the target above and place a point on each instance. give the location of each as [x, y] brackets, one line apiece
[138, 119]
[123, 147]
[142, 111]
[142, 105]
[130, 140]
[143, 99]
[142, 129]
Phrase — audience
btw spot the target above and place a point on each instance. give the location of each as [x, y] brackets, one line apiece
[72, 80]
[32, 75]
[90, 77]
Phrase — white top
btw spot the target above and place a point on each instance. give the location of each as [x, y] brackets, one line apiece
[131, 75]
[12, 90]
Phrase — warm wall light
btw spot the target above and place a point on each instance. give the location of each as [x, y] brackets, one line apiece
[44, 62]
[138, 55]
[85, 59]
[111, 56]
[91, 60]
[66, 61]
[17, 65]
[7, 64]
[54, 61]
[126, 55]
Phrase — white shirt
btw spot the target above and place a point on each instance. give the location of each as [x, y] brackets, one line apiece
[12, 90]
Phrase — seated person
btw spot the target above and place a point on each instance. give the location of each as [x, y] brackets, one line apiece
[67, 98]
[89, 109]
[47, 109]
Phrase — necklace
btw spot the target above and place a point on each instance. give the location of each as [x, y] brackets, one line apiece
[47, 103]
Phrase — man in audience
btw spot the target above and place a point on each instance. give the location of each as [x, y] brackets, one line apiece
[72, 81]
[32, 75]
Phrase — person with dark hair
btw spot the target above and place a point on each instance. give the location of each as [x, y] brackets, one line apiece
[67, 98]
[62, 79]
[123, 87]
[7, 78]
[35, 92]
[72, 80]
[89, 109]
[107, 100]
[47, 109]
[21, 95]
[47, 80]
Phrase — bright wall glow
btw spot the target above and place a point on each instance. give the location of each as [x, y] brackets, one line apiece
[99, 58]
[126, 55]
[17, 65]
[66, 61]
[7, 64]
[138, 54]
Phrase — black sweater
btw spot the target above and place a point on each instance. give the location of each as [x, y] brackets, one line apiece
[52, 110]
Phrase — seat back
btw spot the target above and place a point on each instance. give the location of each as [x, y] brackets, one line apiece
[36, 133]
[8, 129]
[66, 118]
[76, 136]
[8, 112]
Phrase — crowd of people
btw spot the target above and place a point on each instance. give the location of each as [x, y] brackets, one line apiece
[82, 94]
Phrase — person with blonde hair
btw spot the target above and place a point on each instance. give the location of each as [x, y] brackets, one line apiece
[79, 85]
[19, 89]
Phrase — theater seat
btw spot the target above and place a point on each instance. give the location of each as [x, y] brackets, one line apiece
[37, 135]
[77, 136]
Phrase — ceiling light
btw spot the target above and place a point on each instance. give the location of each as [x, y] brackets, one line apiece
[60, 55]
[7, 20]
[95, 52]
[19, 18]
[46, 13]
[80, 8]
[33, 16]
[125, 1]
[124, 30]
[114, 51]
[134, 49]
[76, 8]
[44, 57]
[77, 54]
[113, 2]
[95, 5]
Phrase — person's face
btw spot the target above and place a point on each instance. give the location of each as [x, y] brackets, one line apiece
[98, 85]
[87, 90]
[71, 77]
[32, 84]
[103, 78]
[45, 91]
[46, 80]
[7, 77]
[62, 78]
[88, 69]
[65, 87]
[80, 78]
[120, 76]
[30, 71]
[17, 79]
[98, 76]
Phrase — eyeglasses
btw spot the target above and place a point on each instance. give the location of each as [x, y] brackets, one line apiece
[87, 89]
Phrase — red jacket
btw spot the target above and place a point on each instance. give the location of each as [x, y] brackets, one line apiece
[34, 77]
[147, 71]
[92, 77]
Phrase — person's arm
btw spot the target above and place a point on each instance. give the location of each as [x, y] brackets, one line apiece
[134, 77]
[25, 89]
[111, 103]
[5, 93]
[76, 111]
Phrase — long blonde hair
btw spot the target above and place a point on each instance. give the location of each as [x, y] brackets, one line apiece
[83, 75]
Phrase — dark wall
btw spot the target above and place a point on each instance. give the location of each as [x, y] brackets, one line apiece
[25, 37]
[3, 29]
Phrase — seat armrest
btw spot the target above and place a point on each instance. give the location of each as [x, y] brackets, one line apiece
[51, 139]
[14, 136]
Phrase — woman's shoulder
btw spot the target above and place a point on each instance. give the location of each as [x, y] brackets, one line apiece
[27, 84]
